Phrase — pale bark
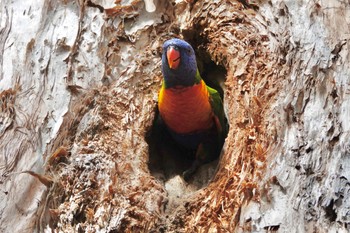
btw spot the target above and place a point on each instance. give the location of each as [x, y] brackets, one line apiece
[78, 88]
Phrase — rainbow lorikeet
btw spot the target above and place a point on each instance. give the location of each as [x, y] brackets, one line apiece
[191, 111]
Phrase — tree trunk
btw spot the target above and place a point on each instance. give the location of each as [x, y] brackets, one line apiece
[78, 86]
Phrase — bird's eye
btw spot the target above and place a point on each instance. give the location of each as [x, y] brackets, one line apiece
[189, 51]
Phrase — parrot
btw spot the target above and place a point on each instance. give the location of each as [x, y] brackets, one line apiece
[191, 111]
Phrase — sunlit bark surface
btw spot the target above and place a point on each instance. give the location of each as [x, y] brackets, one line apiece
[78, 96]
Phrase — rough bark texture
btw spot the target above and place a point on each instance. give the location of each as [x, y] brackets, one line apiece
[78, 93]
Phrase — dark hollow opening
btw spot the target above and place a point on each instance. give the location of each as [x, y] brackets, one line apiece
[168, 159]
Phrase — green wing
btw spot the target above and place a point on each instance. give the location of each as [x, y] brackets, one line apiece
[218, 109]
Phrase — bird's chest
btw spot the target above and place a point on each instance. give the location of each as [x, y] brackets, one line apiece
[186, 110]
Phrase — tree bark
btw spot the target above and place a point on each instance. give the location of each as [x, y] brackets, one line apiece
[78, 86]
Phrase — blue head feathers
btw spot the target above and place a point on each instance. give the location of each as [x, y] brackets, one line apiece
[179, 64]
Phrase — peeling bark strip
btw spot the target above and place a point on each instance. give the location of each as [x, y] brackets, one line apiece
[4, 31]
[285, 165]
[7, 110]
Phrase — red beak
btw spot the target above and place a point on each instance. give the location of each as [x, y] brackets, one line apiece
[173, 56]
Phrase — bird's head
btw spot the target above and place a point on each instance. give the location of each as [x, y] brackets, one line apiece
[179, 64]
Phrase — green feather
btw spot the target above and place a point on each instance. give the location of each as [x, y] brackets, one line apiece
[217, 106]
[218, 109]
[198, 77]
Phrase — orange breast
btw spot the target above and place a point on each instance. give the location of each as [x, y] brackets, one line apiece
[187, 109]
